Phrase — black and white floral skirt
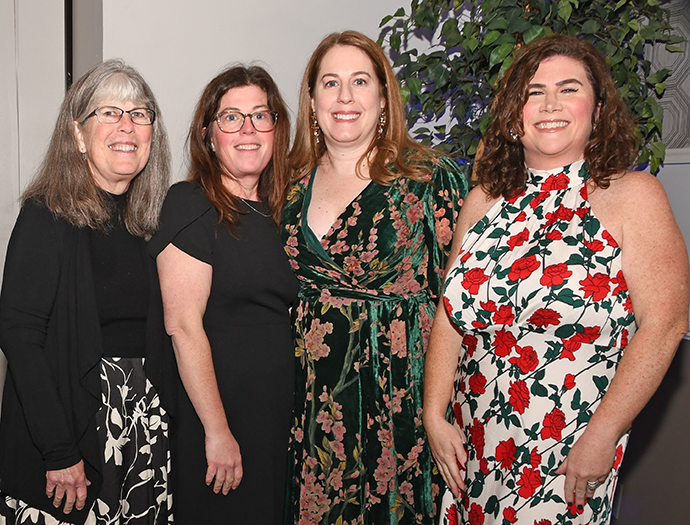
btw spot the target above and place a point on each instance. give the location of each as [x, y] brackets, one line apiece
[133, 429]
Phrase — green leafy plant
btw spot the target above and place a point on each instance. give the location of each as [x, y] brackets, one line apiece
[469, 44]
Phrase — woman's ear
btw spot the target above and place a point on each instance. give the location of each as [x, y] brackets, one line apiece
[79, 136]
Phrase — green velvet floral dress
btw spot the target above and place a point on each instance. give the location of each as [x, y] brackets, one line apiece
[368, 292]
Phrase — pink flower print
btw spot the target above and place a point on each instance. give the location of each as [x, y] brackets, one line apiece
[335, 479]
[385, 437]
[313, 340]
[326, 421]
[340, 247]
[444, 231]
[313, 501]
[353, 266]
[415, 212]
[385, 471]
[398, 338]
[407, 491]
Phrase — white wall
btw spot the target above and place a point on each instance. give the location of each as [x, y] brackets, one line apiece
[179, 46]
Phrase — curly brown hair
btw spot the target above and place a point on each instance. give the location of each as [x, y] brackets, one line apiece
[612, 146]
[393, 153]
[206, 169]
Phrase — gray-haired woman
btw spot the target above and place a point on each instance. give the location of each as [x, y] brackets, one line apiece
[84, 431]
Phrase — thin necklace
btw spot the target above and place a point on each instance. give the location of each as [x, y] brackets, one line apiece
[267, 215]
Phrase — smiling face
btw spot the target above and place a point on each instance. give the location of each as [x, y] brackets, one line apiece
[246, 153]
[116, 153]
[347, 98]
[557, 117]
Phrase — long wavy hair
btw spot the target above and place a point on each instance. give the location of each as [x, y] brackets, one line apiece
[64, 183]
[206, 169]
[393, 153]
[612, 146]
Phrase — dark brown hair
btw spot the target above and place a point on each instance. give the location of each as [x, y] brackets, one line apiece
[64, 183]
[206, 169]
[612, 145]
[394, 145]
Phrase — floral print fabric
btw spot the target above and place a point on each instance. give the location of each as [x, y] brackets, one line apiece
[133, 429]
[539, 293]
[368, 290]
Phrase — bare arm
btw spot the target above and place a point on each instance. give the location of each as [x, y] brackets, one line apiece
[655, 266]
[441, 362]
[185, 287]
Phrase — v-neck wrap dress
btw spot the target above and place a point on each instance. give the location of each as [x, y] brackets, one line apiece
[368, 292]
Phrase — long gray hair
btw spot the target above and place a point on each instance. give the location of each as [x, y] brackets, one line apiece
[64, 183]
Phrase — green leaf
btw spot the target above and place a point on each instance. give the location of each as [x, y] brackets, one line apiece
[532, 34]
[660, 88]
[499, 54]
[565, 9]
[491, 37]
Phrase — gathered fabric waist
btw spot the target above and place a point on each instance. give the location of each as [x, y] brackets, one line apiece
[324, 294]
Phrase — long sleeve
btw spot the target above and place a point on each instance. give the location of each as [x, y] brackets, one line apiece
[30, 287]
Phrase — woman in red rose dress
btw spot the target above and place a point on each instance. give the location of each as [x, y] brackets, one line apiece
[537, 308]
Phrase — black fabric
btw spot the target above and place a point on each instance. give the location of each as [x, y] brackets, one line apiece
[248, 326]
[50, 334]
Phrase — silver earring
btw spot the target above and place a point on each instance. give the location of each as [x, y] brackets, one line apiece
[513, 135]
[83, 155]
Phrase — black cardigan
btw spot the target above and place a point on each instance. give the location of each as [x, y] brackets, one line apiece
[50, 334]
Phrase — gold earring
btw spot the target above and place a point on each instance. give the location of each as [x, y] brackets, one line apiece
[382, 123]
[316, 130]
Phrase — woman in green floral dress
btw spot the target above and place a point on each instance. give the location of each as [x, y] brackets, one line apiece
[368, 227]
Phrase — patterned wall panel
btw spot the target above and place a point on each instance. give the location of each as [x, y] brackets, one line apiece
[676, 100]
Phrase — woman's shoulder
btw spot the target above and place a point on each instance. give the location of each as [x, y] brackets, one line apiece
[187, 195]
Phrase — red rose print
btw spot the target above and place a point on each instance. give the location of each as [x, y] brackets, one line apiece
[590, 334]
[477, 437]
[465, 256]
[542, 522]
[519, 396]
[510, 514]
[476, 514]
[609, 239]
[523, 268]
[555, 275]
[554, 235]
[595, 245]
[521, 217]
[518, 239]
[573, 509]
[596, 286]
[473, 279]
[555, 182]
[620, 281]
[452, 515]
[484, 466]
[554, 423]
[504, 315]
[581, 212]
[569, 346]
[448, 306]
[504, 342]
[478, 325]
[562, 214]
[544, 317]
[477, 383]
[470, 344]
[527, 361]
[569, 382]
[628, 305]
[619, 457]
[529, 481]
[534, 458]
[505, 453]
[489, 306]
[536, 201]
[458, 414]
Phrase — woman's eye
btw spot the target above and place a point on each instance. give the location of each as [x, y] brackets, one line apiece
[360, 82]
[261, 115]
[534, 92]
[569, 90]
[331, 83]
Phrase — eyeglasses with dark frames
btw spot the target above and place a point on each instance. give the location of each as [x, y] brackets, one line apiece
[113, 115]
[231, 121]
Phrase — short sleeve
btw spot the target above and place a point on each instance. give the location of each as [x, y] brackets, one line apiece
[188, 221]
[445, 196]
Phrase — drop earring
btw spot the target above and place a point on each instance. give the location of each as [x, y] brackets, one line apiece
[316, 130]
[382, 123]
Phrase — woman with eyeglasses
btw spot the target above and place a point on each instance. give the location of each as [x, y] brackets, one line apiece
[85, 416]
[227, 286]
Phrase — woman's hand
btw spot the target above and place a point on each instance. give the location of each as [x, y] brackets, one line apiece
[447, 444]
[68, 484]
[224, 462]
[590, 459]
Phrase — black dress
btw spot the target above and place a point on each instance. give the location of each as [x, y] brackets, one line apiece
[248, 326]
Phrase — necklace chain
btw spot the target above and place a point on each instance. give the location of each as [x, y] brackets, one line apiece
[253, 208]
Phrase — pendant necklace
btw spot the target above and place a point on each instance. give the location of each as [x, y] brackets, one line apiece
[267, 215]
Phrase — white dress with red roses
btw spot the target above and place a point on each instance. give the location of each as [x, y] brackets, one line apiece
[539, 293]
